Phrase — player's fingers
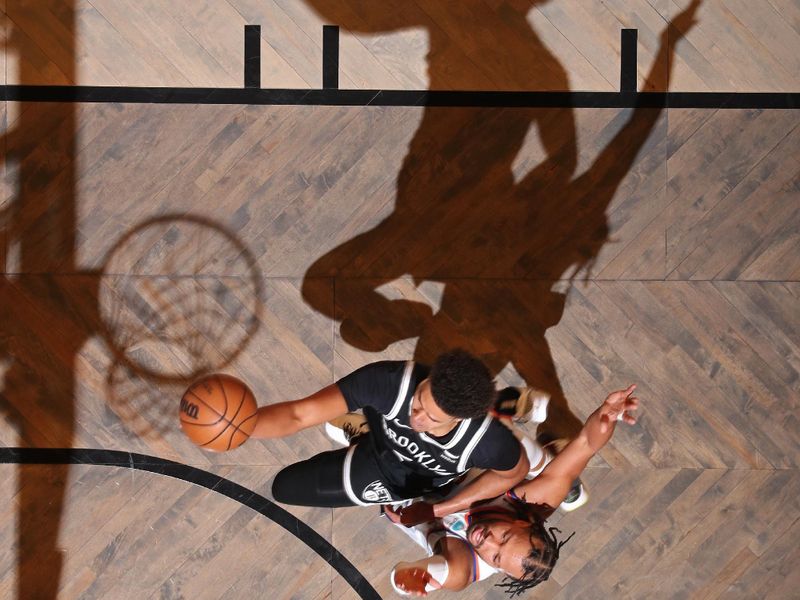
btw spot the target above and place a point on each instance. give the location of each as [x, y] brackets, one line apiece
[621, 395]
[391, 514]
[615, 398]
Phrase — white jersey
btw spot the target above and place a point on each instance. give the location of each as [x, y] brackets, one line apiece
[427, 535]
[455, 525]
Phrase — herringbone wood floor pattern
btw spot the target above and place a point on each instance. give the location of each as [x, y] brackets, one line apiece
[577, 250]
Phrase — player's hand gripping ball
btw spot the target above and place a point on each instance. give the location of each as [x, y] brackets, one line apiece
[218, 412]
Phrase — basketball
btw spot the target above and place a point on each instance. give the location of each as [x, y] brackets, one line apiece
[218, 412]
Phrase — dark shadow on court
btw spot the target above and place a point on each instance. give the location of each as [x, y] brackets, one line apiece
[44, 319]
[49, 307]
[497, 243]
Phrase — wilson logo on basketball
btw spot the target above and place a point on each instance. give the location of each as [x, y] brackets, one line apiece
[221, 419]
[188, 408]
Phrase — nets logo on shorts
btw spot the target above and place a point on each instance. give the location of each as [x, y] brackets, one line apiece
[376, 492]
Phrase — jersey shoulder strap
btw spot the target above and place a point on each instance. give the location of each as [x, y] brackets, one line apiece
[402, 391]
[476, 438]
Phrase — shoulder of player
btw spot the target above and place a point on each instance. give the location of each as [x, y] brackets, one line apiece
[383, 371]
[390, 366]
[498, 431]
[397, 370]
[498, 442]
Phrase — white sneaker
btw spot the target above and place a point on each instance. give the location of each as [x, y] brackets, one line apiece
[577, 497]
[531, 406]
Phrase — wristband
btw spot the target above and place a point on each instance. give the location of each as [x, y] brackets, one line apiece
[437, 568]
[439, 571]
[416, 513]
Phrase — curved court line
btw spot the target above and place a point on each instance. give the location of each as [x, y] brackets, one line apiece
[215, 483]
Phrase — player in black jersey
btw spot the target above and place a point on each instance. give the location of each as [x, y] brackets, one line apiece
[428, 427]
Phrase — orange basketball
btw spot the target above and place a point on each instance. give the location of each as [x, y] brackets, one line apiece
[218, 412]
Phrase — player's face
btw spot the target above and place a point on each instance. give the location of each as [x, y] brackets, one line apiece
[426, 414]
[503, 542]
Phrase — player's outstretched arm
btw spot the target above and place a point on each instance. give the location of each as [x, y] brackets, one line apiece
[286, 418]
[552, 486]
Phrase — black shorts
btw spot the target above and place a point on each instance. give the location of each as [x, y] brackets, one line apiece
[344, 477]
[363, 481]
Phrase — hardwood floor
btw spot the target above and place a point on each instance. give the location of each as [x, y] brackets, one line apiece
[576, 249]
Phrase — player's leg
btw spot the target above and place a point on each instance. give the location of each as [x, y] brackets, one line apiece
[522, 405]
[314, 482]
[525, 405]
[343, 477]
[364, 482]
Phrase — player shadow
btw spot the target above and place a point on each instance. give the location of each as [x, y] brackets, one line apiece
[50, 308]
[497, 243]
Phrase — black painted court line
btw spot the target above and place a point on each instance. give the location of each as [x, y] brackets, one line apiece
[627, 78]
[330, 57]
[252, 56]
[215, 483]
[400, 98]
[331, 95]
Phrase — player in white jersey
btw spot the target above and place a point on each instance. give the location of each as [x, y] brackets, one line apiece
[435, 536]
[509, 535]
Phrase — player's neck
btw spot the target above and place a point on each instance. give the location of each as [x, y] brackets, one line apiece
[443, 430]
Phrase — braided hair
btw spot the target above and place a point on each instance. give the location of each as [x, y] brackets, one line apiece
[538, 565]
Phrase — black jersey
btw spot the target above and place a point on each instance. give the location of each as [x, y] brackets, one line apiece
[415, 462]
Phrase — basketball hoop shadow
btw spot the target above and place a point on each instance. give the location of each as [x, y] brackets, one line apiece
[180, 297]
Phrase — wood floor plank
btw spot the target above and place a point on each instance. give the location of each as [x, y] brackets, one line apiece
[767, 573]
[734, 27]
[734, 178]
